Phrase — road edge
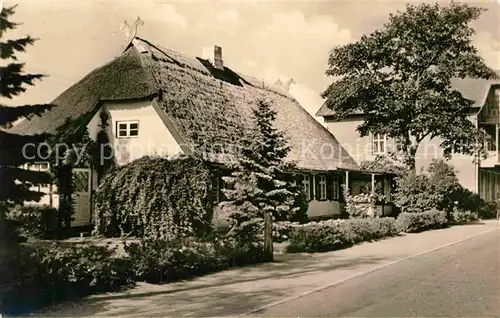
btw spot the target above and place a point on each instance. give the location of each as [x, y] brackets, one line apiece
[371, 270]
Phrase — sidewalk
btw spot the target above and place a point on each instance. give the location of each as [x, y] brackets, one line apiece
[236, 292]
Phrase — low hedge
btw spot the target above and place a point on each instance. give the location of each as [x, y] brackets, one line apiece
[282, 230]
[50, 273]
[336, 234]
[423, 221]
[160, 261]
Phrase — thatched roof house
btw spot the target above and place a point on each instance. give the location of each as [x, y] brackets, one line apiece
[208, 103]
[202, 106]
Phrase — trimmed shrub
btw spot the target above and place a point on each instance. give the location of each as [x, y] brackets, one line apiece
[282, 230]
[337, 234]
[49, 273]
[418, 222]
[370, 229]
[37, 221]
[160, 261]
[157, 198]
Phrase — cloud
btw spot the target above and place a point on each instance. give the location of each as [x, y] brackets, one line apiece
[228, 16]
[251, 63]
[301, 45]
[149, 11]
[489, 48]
[294, 25]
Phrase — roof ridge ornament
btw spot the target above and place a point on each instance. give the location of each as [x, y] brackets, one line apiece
[130, 31]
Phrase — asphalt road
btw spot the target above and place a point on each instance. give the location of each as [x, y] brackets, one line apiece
[461, 280]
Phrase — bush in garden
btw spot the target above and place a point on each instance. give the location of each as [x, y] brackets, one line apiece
[358, 206]
[38, 221]
[461, 216]
[418, 222]
[362, 230]
[316, 238]
[49, 273]
[438, 189]
[155, 197]
[337, 234]
[487, 210]
[160, 261]
[282, 230]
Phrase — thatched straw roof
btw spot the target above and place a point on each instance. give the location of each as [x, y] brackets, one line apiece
[208, 107]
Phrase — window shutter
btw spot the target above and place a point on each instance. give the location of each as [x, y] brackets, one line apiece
[372, 139]
[317, 195]
[299, 178]
[311, 187]
[329, 187]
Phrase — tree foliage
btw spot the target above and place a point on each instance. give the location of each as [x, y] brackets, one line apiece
[15, 183]
[400, 77]
[13, 82]
[385, 164]
[259, 183]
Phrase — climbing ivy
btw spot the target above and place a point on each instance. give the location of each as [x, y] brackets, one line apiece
[155, 198]
[70, 147]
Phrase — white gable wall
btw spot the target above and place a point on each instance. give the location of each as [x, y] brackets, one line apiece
[154, 138]
[360, 148]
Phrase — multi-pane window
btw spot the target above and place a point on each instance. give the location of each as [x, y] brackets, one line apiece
[335, 188]
[127, 129]
[322, 187]
[39, 166]
[490, 143]
[379, 142]
[306, 183]
[81, 181]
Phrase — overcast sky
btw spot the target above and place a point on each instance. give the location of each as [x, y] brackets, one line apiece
[267, 39]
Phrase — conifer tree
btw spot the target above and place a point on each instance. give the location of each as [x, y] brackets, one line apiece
[259, 183]
[15, 183]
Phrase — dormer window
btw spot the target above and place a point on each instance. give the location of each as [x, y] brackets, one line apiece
[127, 129]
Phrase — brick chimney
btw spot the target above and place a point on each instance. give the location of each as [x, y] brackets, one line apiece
[214, 55]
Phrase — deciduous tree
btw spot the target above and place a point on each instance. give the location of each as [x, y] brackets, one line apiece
[400, 78]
